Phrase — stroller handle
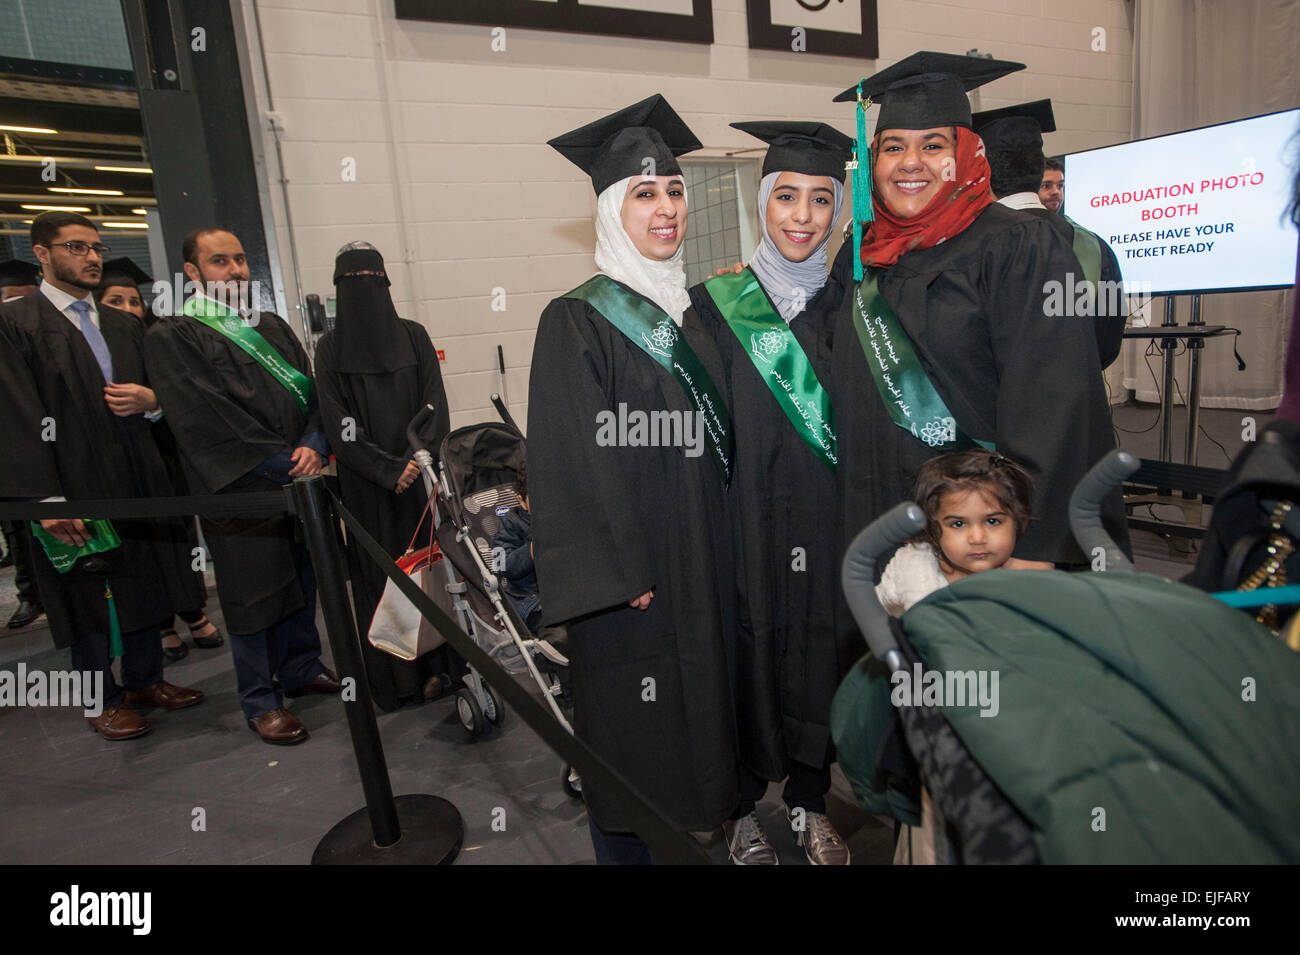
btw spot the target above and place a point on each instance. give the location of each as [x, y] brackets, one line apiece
[504, 412]
[416, 423]
[1085, 507]
[858, 575]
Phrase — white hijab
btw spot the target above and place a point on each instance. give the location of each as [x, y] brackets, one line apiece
[790, 285]
[664, 283]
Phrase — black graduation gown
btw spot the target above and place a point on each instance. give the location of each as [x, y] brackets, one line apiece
[95, 455]
[1111, 312]
[782, 497]
[610, 523]
[229, 415]
[381, 405]
[973, 307]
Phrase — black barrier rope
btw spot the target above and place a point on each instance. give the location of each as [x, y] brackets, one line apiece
[215, 506]
[634, 810]
[667, 843]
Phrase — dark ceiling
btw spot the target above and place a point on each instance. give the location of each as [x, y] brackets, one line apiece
[96, 117]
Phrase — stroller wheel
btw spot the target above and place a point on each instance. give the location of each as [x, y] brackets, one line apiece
[470, 713]
[571, 782]
[496, 711]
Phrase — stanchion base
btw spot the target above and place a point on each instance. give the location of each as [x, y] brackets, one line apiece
[432, 833]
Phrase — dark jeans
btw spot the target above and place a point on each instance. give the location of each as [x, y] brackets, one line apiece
[288, 651]
[142, 661]
[617, 848]
[805, 788]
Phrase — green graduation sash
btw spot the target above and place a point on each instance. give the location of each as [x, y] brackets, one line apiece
[654, 332]
[778, 358]
[227, 322]
[103, 537]
[1087, 249]
[904, 387]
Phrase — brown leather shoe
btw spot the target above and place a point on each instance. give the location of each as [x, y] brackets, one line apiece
[119, 722]
[167, 695]
[278, 726]
[325, 682]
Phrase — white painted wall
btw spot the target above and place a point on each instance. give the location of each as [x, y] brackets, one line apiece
[454, 182]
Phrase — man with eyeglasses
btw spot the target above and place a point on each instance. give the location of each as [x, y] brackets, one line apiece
[79, 425]
[242, 404]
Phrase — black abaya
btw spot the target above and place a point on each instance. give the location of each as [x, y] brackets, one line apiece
[380, 405]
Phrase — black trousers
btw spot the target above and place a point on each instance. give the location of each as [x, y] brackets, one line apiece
[18, 538]
[142, 661]
[805, 788]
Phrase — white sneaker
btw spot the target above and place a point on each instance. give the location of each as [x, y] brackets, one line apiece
[747, 842]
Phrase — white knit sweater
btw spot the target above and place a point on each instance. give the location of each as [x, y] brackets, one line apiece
[911, 575]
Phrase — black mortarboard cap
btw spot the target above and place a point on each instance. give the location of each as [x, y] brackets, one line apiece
[1039, 113]
[813, 149]
[619, 145]
[123, 272]
[928, 89]
[1013, 143]
[18, 272]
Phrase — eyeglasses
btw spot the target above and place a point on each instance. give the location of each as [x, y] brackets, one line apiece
[77, 247]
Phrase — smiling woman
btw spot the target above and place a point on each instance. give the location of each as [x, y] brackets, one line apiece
[772, 323]
[629, 535]
[654, 216]
[945, 343]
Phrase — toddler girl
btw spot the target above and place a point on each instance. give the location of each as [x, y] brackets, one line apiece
[975, 503]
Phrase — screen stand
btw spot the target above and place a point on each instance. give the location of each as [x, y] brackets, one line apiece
[1194, 346]
[1167, 346]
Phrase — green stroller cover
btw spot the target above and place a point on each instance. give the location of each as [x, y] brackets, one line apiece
[1132, 719]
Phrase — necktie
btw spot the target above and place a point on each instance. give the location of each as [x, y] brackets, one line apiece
[95, 339]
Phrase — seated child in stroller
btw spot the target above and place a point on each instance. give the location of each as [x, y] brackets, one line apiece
[512, 547]
[976, 503]
[513, 543]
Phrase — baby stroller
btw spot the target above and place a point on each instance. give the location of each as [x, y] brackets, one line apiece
[1132, 719]
[1251, 555]
[476, 482]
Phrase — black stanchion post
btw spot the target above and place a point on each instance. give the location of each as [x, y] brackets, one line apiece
[413, 828]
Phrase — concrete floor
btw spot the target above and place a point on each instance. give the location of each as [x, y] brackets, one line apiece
[271, 804]
[266, 804]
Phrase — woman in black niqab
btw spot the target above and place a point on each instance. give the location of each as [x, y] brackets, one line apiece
[374, 372]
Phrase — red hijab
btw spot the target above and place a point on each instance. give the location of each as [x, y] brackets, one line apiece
[950, 212]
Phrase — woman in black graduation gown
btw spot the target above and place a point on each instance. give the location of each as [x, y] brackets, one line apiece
[950, 292]
[626, 533]
[374, 372]
[772, 323]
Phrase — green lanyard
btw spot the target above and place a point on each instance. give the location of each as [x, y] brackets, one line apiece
[778, 358]
[649, 328]
[227, 322]
[904, 387]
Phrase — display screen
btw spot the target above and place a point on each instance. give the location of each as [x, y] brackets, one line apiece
[1198, 211]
